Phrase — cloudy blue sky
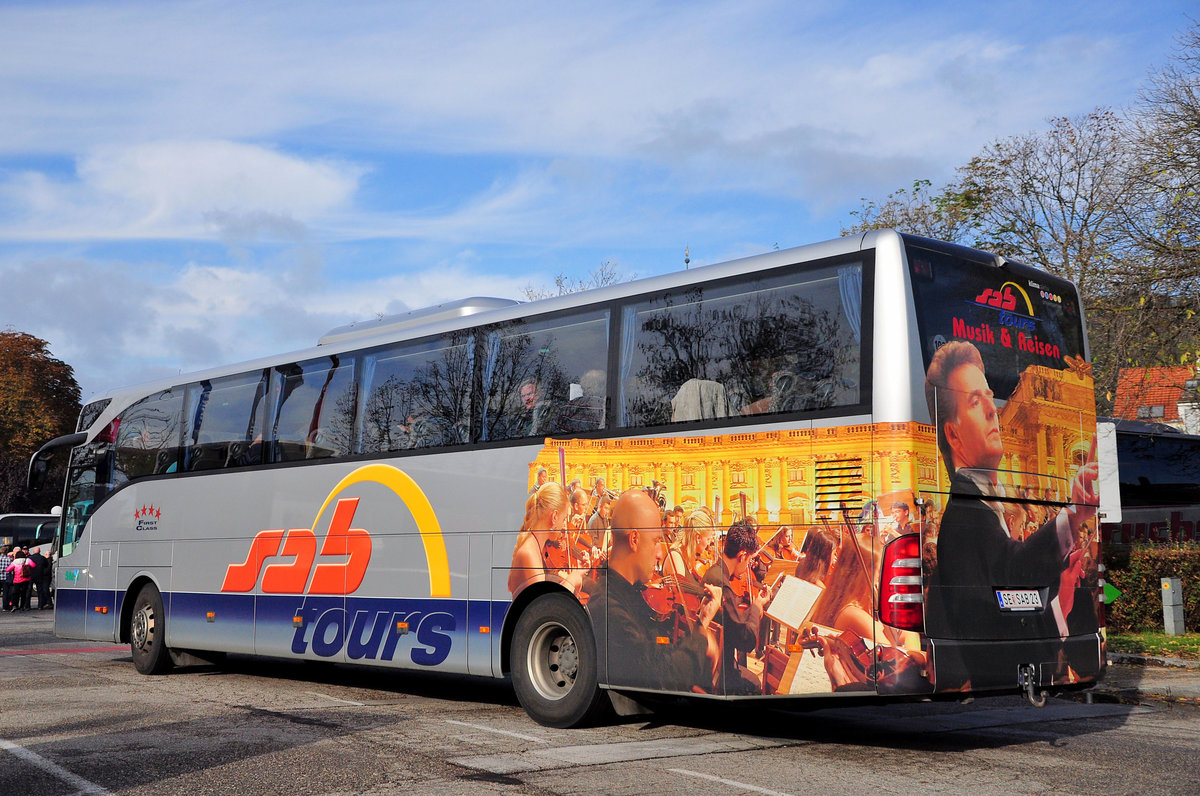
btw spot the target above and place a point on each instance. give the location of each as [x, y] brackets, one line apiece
[187, 184]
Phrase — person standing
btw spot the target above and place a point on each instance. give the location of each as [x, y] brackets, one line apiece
[976, 555]
[5, 578]
[22, 573]
[41, 577]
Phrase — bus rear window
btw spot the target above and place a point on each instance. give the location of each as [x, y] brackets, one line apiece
[1015, 316]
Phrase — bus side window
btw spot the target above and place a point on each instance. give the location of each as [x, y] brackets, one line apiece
[314, 418]
[417, 395]
[787, 342]
[530, 369]
[149, 435]
[225, 422]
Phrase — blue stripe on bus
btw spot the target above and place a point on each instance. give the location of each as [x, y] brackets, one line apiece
[421, 632]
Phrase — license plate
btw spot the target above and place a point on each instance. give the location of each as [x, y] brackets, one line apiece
[1019, 599]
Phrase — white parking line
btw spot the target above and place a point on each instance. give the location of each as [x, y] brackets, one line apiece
[334, 699]
[731, 782]
[620, 752]
[493, 729]
[51, 768]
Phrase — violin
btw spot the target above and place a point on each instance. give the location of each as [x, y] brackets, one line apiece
[556, 555]
[885, 665]
[670, 603]
[583, 543]
[571, 550]
[666, 597]
[787, 551]
[748, 581]
[666, 602]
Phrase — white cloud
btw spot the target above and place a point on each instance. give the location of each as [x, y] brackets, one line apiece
[124, 323]
[133, 134]
[175, 189]
[174, 181]
[517, 78]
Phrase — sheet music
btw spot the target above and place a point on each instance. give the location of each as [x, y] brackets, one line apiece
[794, 602]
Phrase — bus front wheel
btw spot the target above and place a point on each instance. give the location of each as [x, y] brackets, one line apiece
[553, 663]
[147, 632]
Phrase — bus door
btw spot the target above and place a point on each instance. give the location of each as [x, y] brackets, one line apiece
[482, 613]
[102, 610]
[85, 589]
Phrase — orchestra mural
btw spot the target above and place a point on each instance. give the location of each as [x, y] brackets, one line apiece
[756, 571]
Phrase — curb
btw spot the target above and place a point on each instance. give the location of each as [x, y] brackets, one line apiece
[1131, 659]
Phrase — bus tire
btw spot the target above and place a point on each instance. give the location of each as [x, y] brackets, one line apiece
[148, 632]
[553, 663]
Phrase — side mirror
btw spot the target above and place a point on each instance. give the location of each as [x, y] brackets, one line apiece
[38, 469]
[39, 463]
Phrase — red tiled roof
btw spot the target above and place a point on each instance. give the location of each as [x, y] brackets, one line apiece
[1159, 386]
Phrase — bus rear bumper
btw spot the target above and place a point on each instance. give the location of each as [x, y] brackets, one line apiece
[972, 665]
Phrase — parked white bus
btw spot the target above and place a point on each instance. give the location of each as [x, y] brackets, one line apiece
[862, 467]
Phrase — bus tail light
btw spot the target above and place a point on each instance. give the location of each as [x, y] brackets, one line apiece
[901, 598]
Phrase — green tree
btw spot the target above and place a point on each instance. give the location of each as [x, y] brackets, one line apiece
[39, 400]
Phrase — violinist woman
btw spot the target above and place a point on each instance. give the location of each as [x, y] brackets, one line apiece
[827, 563]
[781, 546]
[545, 522]
[816, 558]
[690, 555]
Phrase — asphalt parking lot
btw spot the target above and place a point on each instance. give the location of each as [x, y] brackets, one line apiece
[78, 719]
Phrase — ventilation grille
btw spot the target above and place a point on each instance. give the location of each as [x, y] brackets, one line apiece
[839, 483]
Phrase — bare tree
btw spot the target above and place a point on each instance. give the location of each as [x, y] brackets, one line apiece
[953, 215]
[1060, 199]
[1164, 211]
[602, 276]
[1053, 198]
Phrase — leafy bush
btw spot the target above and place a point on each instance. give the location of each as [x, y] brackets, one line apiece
[1140, 580]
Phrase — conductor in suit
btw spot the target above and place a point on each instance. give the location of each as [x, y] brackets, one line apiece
[975, 555]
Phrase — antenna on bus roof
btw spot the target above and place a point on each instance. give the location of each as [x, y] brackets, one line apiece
[420, 317]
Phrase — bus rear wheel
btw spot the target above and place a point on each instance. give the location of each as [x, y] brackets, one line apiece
[148, 632]
[553, 663]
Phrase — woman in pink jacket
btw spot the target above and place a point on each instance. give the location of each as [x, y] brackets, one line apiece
[22, 569]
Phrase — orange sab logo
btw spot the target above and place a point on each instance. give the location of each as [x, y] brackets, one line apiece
[342, 540]
[1005, 298]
